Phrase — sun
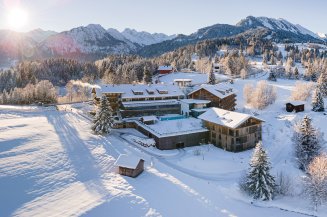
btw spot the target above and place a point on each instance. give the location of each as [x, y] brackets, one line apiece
[17, 18]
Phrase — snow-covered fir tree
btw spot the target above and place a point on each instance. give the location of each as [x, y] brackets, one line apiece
[272, 77]
[322, 83]
[211, 76]
[296, 73]
[317, 101]
[307, 142]
[259, 183]
[104, 117]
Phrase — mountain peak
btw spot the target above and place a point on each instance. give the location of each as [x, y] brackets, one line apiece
[144, 38]
[274, 24]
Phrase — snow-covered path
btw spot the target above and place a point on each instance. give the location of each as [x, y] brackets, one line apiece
[52, 165]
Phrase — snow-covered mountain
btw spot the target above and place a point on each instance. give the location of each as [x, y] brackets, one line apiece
[322, 35]
[278, 30]
[39, 35]
[14, 45]
[145, 38]
[275, 25]
[94, 42]
[85, 40]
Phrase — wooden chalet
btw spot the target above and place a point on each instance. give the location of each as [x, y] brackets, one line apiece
[220, 96]
[232, 131]
[129, 165]
[165, 69]
[295, 106]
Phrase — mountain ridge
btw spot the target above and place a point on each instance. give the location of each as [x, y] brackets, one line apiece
[94, 41]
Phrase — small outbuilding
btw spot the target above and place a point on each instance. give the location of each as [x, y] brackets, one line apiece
[296, 106]
[165, 69]
[129, 165]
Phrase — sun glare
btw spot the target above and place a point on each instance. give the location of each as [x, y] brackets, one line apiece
[17, 18]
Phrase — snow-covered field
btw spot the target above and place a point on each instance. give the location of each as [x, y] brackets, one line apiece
[52, 165]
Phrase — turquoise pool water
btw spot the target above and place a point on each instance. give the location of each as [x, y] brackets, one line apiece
[177, 117]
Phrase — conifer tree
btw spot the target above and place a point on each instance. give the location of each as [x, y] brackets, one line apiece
[104, 117]
[322, 83]
[147, 75]
[317, 101]
[307, 143]
[211, 77]
[296, 73]
[264, 59]
[272, 60]
[260, 184]
[272, 77]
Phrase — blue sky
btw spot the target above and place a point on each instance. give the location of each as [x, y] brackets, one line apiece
[167, 16]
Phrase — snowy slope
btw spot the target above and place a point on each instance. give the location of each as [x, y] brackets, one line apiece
[276, 25]
[85, 39]
[39, 35]
[322, 35]
[65, 170]
[145, 38]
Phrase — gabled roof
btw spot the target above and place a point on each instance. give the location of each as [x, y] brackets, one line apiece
[127, 161]
[226, 118]
[183, 80]
[165, 68]
[296, 103]
[219, 90]
[140, 90]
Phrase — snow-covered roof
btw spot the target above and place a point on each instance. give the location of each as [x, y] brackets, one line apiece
[219, 90]
[296, 103]
[165, 68]
[140, 90]
[128, 161]
[225, 118]
[183, 80]
[147, 103]
[195, 101]
[174, 127]
[150, 118]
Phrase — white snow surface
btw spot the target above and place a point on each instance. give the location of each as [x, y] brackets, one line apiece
[322, 35]
[145, 38]
[282, 24]
[51, 164]
[128, 161]
[225, 118]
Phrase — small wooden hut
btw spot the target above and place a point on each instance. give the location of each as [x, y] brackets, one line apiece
[129, 165]
[296, 106]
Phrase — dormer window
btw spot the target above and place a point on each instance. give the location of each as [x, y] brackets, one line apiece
[151, 92]
[138, 92]
[162, 91]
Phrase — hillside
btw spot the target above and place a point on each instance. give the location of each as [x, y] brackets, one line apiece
[279, 30]
[66, 170]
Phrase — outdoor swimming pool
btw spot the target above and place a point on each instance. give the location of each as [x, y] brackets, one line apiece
[167, 118]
